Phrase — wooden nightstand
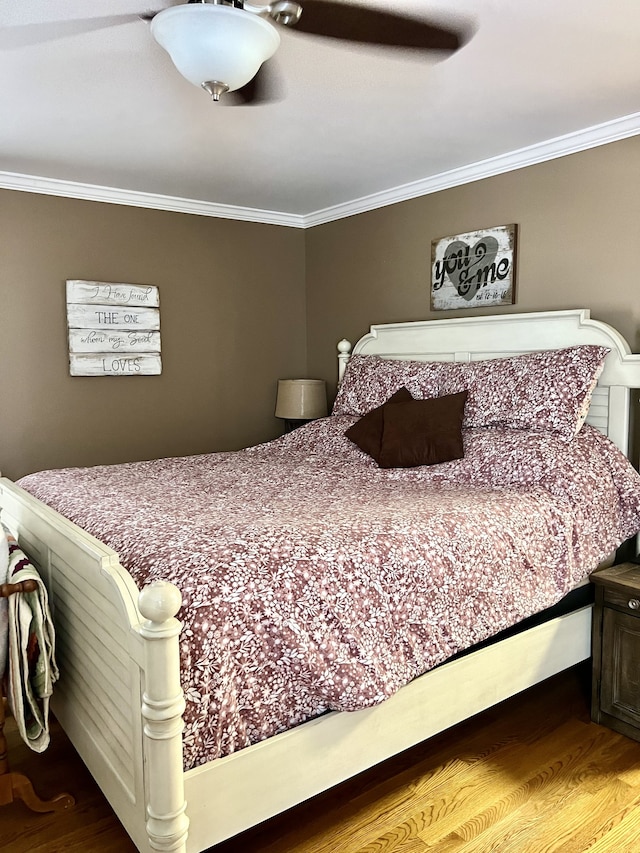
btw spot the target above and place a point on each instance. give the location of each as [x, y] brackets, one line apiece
[615, 698]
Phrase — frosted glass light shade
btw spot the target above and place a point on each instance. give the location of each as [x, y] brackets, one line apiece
[215, 43]
[301, 399]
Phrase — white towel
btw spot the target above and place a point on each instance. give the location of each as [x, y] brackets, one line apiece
[32, 665]
[4, 604]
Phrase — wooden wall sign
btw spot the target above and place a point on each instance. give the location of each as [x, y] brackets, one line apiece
[114, 329]
[475, 269]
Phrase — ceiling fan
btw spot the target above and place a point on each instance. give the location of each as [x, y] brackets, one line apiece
[221, 45]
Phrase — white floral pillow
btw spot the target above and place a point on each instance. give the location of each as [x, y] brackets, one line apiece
[547, 391]
[370, 380]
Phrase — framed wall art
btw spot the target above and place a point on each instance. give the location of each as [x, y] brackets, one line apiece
[474, 270]
[114, 329]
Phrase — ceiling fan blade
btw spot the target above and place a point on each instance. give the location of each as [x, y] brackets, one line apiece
[27, 35]
[372, 26]
[264, 88]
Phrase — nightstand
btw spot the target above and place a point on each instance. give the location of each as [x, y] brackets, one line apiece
[293, 423]
[615, 698]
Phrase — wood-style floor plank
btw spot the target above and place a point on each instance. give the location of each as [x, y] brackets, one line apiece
[532, 775]
[558, 765]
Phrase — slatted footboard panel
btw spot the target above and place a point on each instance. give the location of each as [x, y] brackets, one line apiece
[98, 650]
[99, 688]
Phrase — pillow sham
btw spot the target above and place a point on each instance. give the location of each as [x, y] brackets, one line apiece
[422, 432]
[370, 380]
[546, 391]
[367, 432]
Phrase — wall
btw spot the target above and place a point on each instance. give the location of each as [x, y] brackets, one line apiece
[232, 312]
[233, 300]
[579, 221]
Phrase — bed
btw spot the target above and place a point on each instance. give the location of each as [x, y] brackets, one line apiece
[121, 696]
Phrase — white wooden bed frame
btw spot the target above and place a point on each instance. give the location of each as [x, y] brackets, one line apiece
[119, 698]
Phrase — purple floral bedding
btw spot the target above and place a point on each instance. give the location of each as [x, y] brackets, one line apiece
[314, 580]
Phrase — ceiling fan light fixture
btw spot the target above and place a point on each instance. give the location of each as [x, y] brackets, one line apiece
[215, 43]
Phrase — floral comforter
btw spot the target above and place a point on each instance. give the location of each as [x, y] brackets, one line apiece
[313, 580]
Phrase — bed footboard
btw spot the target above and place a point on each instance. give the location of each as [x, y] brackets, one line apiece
[112, 661]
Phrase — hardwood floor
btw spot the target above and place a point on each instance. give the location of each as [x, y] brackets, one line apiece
[532, 775]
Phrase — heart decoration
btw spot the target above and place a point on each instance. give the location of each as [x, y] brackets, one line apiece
[463, 262]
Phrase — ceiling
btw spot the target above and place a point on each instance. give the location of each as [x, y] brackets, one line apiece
[104, 113]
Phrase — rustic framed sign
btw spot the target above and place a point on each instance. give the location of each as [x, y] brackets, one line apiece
[475, 269]
[114, 329]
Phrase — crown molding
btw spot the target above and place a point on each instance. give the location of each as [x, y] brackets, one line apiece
[551, 149]
[560, 146]
[114, 195]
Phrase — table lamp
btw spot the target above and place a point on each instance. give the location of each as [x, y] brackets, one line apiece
[300, 401]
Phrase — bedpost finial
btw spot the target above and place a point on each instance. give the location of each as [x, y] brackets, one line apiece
[159, 601]
[344, 349]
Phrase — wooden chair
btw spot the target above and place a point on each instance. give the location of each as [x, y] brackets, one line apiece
[15, 786]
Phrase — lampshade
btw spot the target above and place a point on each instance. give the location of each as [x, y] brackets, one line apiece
[301, 399]
[215, 44]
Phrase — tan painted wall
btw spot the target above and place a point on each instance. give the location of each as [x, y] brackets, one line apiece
[579, 221]
[233, 300]
[232, 315]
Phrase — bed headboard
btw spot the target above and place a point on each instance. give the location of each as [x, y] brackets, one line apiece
[499, 336]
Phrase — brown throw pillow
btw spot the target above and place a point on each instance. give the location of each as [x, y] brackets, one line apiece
[422, 432]
[367, 432]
